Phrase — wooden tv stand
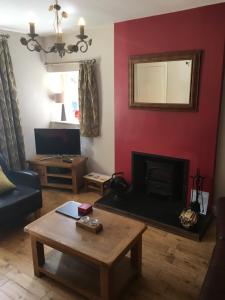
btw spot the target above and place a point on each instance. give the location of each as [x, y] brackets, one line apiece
[54, 172]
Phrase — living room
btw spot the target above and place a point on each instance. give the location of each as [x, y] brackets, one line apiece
[186, 139]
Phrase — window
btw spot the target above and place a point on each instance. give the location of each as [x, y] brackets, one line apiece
[65, 84]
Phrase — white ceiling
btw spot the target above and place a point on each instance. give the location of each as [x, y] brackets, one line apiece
[15, 14]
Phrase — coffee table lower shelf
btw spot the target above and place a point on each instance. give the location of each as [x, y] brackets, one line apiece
[84, 277]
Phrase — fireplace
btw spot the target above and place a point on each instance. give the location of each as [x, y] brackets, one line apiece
[157, 194]
[160, 177]
[160, 183]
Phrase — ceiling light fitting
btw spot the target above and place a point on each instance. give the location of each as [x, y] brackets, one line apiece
[59, 46]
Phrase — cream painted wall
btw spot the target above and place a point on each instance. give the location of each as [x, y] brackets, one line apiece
[100, 150]
[33, 103]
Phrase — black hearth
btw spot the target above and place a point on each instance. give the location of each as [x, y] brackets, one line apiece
[157, 195]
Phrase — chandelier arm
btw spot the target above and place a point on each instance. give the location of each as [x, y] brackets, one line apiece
[42, 49]
[68, 51]
[37, 45]
[49, 51]
[30, 46]
[82, 45]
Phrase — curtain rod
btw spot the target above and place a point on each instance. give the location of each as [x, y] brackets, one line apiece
[4, 35]
[71, 62]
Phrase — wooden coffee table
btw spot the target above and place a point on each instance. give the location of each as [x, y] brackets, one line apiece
[94, 265]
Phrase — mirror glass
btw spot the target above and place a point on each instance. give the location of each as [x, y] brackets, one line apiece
[168, 81]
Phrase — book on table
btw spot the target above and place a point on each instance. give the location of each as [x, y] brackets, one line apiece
[70, 209]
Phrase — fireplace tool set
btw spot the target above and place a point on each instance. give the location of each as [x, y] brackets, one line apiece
[189, 217]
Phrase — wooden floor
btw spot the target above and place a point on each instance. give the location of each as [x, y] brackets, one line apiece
[173, 267]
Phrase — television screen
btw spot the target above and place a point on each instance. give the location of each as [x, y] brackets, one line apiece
[57, 141]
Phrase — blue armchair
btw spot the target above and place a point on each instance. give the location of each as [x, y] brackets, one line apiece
[26, 198]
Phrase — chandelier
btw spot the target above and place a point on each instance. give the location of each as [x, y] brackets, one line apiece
[32, 44]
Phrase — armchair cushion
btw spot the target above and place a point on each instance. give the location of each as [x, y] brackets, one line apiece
[20, 201]
[27, 178]
[220, 224]
[213, 286]
[5, 183]
[24, 199]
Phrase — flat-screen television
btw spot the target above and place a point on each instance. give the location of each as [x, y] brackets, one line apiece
[57, 141]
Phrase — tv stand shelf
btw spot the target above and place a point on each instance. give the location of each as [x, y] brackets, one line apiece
[54, 172]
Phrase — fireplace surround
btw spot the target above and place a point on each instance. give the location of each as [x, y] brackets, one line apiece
[157, 194]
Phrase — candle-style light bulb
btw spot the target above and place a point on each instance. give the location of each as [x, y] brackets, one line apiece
[31, 21]
[32, 28]
[59, 35]
[81, 23]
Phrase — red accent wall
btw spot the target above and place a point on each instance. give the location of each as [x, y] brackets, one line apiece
[188, 135]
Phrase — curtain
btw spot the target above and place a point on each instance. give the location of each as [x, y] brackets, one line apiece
[88, 100]
[11, 137]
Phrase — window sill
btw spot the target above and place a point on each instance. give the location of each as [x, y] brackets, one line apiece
[63, 124]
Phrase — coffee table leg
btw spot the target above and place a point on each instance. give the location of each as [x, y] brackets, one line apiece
[136, 256]
[105, 283]
[38, 255]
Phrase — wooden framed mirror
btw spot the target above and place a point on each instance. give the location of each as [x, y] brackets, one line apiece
[165, 81]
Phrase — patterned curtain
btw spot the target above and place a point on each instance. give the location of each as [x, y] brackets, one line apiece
[11, 137]
[88, 100]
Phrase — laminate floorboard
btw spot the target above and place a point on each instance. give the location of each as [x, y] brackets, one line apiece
[173, 267]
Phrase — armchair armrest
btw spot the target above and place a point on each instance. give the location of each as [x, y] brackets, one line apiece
[28, 178]
[220, 213]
